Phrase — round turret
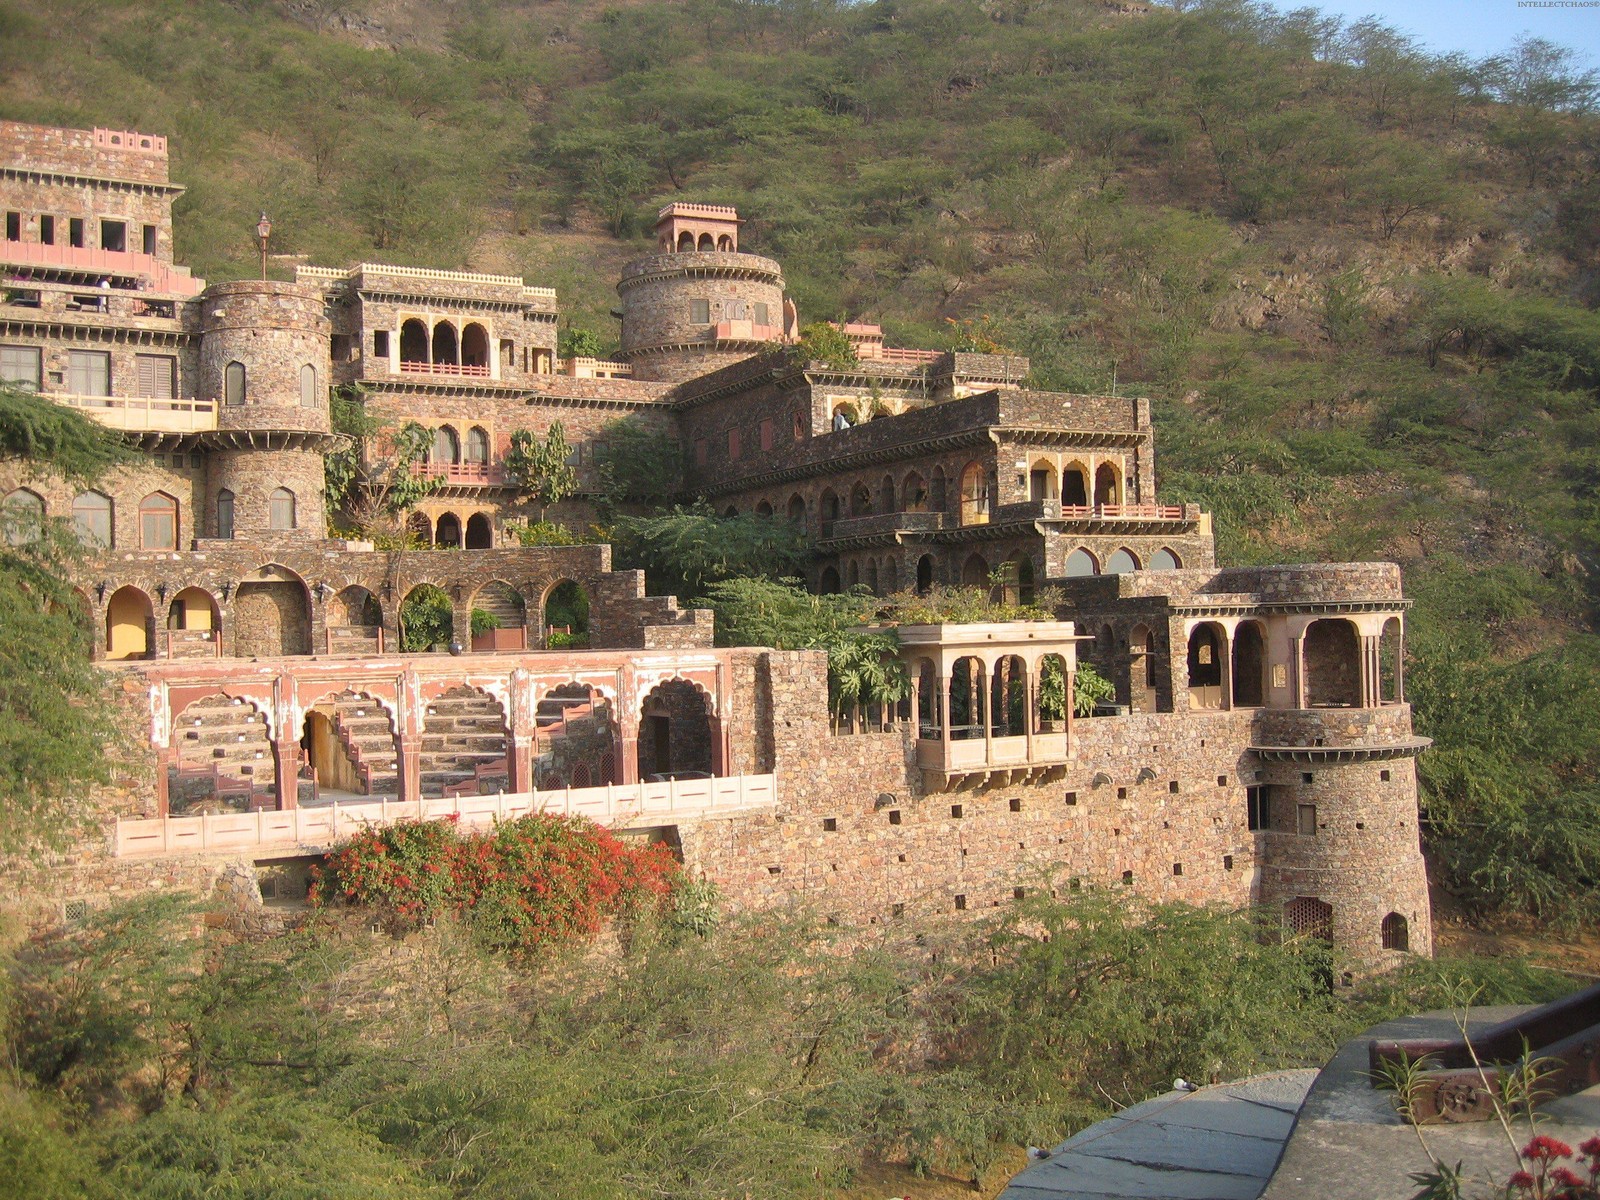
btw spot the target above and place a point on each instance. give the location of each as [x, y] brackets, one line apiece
[264, 357]
[700, 304]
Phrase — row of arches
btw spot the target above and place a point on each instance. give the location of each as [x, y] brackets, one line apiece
[916, 492]
[225, 755]
[1083, 562]
[1229, 668]
[272, 616]
[687, 242]
[977, 700]
[1011, 580]
[448, 529]
[234, 391]
[1073, 484]
[444, 345]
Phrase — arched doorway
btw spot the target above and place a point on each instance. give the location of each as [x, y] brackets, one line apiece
[480, 534]
[677, 737]
[499, 618]
[566, 615]
[974, 495]
[860, 500]
[1141, 670]
[448, 530]
[272, 614]
[828, 582]
[1042, 482]
[1075, 486]
[914, 494]
[355, 622]
[1205, 666]
[1107, 485]
[348, 741]
[1008, 697]
[446, 350]
[475, 347]
[193, 624]
[975, 572]
[1249, 665]
[420, 526]
[924, 574]
[1333, 664]
[427, 619]
[129, 620]
[413, 344]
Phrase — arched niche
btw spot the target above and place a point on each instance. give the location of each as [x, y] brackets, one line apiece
[1121, 562]
[348, 741]
[499, 617]
[828, 582]
[1164, 560]
[975, 572]
[413, 343]
[272, 613]
[860, 500]
[1249, 665]
[480, 532]
[576, 739]
[222, 758]
[1207, 644]
[1081, 563]
[924, 574]
[447, 531]
[463, 744]
[565, 608]
[129, 621]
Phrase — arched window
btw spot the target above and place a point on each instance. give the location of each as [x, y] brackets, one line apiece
[1080, 563]
[24, 516]
[1121, 562]
[308, 387]
[685, 242]
[706, 243]
[158, 522]
[1396, 933]
[413, 343]
[1164, 560]
[225, 514]
[281, 509]
[91, 517]
[446, 446]
[475, 346]
[446, 347]
[974, 496]
[724, 242]
[233, 383]
[477, 445]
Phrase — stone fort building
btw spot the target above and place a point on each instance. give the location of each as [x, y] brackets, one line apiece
[1260, 750]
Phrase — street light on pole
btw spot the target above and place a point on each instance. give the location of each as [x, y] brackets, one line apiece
[263, 232]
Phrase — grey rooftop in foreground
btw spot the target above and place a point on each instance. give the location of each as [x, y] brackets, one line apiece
[1349, 1144]
[1217, 1143]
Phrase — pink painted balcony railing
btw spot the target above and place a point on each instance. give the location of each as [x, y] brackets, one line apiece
[1052, 509]
[423, 368]
[479, 473]
[121, 264]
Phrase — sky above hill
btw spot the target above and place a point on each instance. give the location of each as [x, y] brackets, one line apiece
[1481, 27]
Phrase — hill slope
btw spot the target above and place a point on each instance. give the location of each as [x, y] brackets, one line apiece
[1358, 281]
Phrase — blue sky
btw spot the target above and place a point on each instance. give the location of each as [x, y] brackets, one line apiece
[1477, 27]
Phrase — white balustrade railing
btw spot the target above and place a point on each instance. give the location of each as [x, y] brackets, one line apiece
[317, 828]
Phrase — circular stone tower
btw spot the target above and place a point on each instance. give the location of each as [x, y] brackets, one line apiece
[264, 358]
[699, 304]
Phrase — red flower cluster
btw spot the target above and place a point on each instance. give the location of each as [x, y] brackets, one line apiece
[1546, 1177]
[528, 882]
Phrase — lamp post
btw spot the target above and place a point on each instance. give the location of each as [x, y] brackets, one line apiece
[263, 232]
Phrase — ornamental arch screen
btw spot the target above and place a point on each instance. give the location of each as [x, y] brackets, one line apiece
[676, 734]
[1306, 916]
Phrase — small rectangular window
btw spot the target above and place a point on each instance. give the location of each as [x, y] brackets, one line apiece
[700, 452]
[380, 343]
[700, 312]
[113, 235]
[1258, 807]
[157, 376]
[89, 372]
[47, 230]
[75, 232]
[1306, 816]
[762, 315]
[13, 227]
[733, 443]
[20, 364]
[148, 239]
[766, 434]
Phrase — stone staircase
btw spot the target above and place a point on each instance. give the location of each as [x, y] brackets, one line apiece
[463, 730]
[368, 740]
[224, 757]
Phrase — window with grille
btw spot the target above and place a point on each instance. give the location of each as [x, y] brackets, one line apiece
[1306, 820]
[156, 376]
[477, 445]
[1396, 933]
[89, 372]
[20, 364]
[91, 517]
[1308, 916]
[158, 522]
[763, 317]
[700, 312]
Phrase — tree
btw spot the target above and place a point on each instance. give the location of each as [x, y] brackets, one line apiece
[375, 477]
[542, 469]
[57, 719]
[638, 463]
[578, 343]
[825, 343]
[687, 549]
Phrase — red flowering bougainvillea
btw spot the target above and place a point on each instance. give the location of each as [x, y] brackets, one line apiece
[1546, 1177]
[527, 883]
